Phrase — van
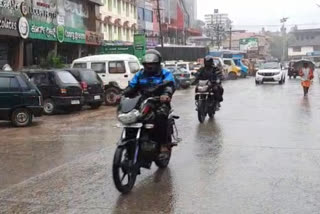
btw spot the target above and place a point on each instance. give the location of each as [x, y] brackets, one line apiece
[20, 100]
[115, 70]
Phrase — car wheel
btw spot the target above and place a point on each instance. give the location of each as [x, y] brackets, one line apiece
[49, 107]
[21, 117]
[232, 76]
[111, 96]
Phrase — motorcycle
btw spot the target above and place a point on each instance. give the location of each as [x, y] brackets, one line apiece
[137, 147]
[205, 102]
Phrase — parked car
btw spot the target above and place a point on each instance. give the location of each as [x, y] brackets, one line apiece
[20, 100]
[60, 90]
[233, 70]
[91, 84]
[115, 70]
[220, 64]
[182, 77]
[270, 72]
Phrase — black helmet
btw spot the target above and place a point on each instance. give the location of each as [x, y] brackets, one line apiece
[152, 56]
[208, 61]
[152, 62]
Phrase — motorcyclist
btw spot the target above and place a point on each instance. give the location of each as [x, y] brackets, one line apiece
[212, 73]
[152, 75]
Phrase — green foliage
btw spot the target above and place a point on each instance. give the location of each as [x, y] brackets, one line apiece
[51, 61]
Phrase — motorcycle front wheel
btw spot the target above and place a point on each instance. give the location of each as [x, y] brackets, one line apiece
[124, 176]
[201, 111]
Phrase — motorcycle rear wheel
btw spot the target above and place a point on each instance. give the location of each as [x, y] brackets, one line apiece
[120, 171]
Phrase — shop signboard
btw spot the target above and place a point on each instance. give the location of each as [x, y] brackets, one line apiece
[139, 46]
[93, 38]
[73, 35]
[41, 30]
[249, 44]
[8, 26]
[121, 49]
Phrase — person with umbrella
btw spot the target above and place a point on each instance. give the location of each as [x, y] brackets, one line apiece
[306, 74]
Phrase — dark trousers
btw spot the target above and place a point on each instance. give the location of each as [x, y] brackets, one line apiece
[161, 123]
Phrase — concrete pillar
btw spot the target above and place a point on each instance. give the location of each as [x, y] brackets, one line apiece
[79, 51]
[55, 49]
[18, 55]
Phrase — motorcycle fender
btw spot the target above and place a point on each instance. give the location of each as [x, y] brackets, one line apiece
[125, 142]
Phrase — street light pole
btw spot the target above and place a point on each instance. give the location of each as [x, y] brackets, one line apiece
[159, 20]
[283, 21]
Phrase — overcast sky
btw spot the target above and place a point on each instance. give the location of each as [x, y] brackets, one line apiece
[253, 14]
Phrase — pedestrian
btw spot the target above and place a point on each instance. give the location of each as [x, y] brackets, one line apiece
[306, 74]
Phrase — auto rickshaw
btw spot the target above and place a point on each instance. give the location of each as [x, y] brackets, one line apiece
[293, 70]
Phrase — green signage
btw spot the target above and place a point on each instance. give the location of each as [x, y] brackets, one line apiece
[44, 31]
[119, 49]
[73, 35]
[139, 45]
[51, 32]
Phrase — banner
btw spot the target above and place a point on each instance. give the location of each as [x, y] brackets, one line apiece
[249, 44]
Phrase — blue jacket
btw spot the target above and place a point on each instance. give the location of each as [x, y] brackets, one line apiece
[141, 81]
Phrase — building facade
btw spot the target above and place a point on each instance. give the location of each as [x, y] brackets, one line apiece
[304, 44]
[119, 21]
[30, 29]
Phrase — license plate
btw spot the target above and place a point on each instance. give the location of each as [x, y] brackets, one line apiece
[98, 97]
[75, 102]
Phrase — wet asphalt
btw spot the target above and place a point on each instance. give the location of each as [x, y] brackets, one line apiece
[261, 154]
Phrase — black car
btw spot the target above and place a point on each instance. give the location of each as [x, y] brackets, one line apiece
[91, 84]
[20, 100]
[182, 77]
[60, 90]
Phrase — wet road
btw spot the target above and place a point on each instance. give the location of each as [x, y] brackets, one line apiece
[261, 154]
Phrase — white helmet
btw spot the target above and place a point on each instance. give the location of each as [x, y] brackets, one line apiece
[7, 67]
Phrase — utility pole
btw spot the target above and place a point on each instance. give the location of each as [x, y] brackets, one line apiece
[159, 20]
[283, 30]
[230, 38]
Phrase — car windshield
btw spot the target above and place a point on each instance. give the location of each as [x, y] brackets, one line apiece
[66, 77]
[89, 76]
[270, 65]
[182, 66]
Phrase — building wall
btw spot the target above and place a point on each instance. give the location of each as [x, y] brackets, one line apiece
[118, 9]
[303, 52]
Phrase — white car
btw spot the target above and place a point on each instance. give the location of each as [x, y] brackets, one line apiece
[270, 72]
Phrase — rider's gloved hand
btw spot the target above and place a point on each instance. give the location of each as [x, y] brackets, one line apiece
[165, 98]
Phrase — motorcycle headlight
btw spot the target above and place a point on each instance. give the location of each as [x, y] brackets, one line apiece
[129, 118]
[202, 88]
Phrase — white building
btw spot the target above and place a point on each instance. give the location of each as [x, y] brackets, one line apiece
[119, 20]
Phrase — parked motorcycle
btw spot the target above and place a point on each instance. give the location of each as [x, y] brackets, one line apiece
[205, 102]
[137, 147]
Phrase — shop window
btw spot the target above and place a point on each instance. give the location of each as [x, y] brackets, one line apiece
[110, 5]
[148, 15]
[110, 32]
[296, 49]
[119, 7]
[117, 67]
[119, 34]
[127, 9]
[128, 35]
[140, 13]
[99, 67]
